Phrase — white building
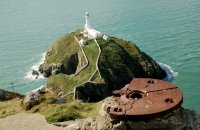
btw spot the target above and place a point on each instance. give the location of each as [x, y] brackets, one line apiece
[89, 30]
[82, 42]
[106, 38]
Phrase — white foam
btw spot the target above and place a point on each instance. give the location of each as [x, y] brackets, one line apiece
[36, 67]
[39, 88]
[170, 73]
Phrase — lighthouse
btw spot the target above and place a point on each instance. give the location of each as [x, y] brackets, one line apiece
[87, 20]
[92, 33]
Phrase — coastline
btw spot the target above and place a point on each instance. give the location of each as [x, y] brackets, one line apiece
[170, 73]
[35, 67]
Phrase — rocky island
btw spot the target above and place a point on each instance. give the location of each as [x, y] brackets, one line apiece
[83, 73]
[83, 68]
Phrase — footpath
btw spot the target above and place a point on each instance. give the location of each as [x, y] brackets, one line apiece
[26, 121]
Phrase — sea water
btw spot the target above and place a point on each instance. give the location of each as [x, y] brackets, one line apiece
[167, 30]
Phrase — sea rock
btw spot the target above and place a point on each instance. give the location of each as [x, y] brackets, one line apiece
[34, 72]
[52, 69]
[68, 66]
[47, 72]
[41, 69]
[31, 99]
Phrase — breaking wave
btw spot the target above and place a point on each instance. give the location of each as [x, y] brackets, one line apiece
[35, 90]
[36, 67]
[170, 73]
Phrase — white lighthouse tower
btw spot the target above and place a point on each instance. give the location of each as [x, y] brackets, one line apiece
[89, 30]
[87, 20]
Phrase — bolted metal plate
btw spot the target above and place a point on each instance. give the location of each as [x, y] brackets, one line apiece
[146, 97]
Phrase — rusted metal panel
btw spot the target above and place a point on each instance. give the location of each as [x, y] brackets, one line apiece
[146, 97]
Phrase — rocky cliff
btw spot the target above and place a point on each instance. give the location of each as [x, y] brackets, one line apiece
[97, 68]
[178, 119]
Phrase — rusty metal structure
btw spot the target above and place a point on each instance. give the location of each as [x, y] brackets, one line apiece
[145, 98]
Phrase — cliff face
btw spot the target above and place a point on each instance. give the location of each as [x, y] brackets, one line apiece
[178, 119]
[71, 67]
[121, 61]
[6, 95]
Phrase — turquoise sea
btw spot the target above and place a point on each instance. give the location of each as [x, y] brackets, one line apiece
[167, 30]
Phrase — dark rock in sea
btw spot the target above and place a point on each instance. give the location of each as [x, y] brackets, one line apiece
[41, 68]
[34, 72]
[47, 72]
[52, 69]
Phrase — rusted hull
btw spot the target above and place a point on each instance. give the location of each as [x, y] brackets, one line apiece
[145, 98]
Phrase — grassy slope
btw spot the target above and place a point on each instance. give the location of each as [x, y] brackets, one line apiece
[111, 50]
[67, 82]
[52, 112]
[10, 107]
[11, 104]
[116, 49]
[120, 60]
[68, 111]
[130, 47]
[72, 111]
[57, 53]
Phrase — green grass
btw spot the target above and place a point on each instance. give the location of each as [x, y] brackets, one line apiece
[68, 111]
[52, 112]
[71, 111]
[10, 107]
[112, 56]
[97, 78]
[119, 61]
[66, 83]
[130, 48]
[62, 49]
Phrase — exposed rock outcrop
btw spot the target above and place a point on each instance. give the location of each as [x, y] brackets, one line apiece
[67, 66]
[52, 69]
[33, 98]
[60, 101]
[30, 100]
[34, 72]
[179, 119]
[121, 61]
[6, 95]
[91, 92]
